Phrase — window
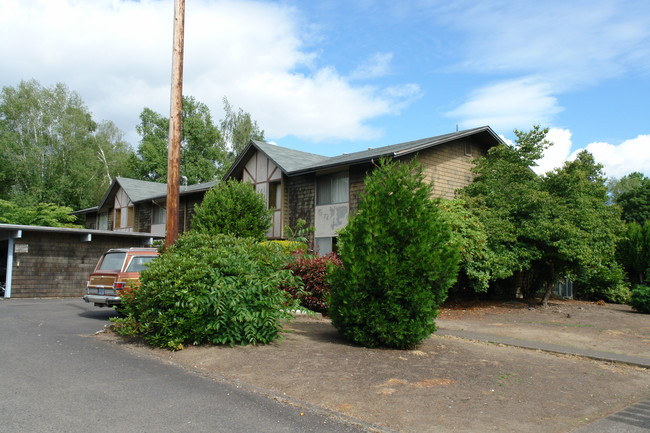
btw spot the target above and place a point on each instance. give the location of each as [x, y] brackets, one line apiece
[274, 195]
[325, 245]
[159, 214]
[139, 263]
[118, 218]
[332, 188]
[468, 148]
[112, 262]
[103, 221]
[130, 216]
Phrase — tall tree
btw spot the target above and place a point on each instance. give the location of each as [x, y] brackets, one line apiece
[616, 187]
[578, 231]
[51, 150]
[634, 200]
[237, 129]
[203, 154]
[548, 226]
[507, 197]
[634, 251]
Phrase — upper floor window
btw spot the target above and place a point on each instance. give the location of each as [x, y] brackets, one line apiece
[468, 148]
[332, 188]
[103, 221]
[275, 194]
[159, 214]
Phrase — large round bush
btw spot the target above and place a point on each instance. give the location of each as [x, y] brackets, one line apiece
[210, 289]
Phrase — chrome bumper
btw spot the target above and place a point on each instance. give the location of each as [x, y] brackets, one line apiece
[103, 301]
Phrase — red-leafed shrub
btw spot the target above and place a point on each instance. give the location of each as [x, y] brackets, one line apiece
[313, 271]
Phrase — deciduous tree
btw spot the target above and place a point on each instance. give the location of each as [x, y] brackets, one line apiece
[237, 129]
[51, 149]
[545, 226]
[203, 154]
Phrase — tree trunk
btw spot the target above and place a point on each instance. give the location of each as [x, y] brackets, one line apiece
[547, 295]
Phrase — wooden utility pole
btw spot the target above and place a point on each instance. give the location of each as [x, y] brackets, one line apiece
[174, 147]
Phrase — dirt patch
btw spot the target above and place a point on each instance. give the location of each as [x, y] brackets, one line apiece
[586, 325]
[449, 384]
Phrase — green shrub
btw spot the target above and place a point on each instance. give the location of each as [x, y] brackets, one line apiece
[603, 282]
[233, 208]
[210, 289]
[640, 299]
[288, 247]
[313, 270]
[398, 261]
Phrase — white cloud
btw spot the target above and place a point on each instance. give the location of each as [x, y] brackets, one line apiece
[565, 45]
[117, 55]
[376, 66]
[507, 105]
[571, 43]
[618, 160]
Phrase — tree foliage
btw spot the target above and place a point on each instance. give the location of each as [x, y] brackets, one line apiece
[398, 261]
[545, 226]
[584, 230]
[634, 198]
[617, 187]
[634, 251]
[235, 208]
[203, 155]
[237, 129]
[506, 198]
[42, 214]
[477, 261]
[51, 149]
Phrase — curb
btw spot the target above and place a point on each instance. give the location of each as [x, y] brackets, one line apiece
[636, 361]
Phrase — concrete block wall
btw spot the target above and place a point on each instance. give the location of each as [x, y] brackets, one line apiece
[58, 264]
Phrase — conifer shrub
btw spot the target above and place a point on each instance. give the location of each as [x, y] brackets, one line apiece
[215, 289]
[313, 270]
[640, 299]
[398, 261]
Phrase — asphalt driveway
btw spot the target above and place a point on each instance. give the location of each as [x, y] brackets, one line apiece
[55, 377]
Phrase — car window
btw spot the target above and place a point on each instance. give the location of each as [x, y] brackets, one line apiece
[139, 263]
[112, 262]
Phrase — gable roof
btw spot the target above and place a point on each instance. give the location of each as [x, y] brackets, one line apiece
[142, 190]
[294, 162]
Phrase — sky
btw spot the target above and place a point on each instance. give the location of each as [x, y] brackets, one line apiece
[339, 76]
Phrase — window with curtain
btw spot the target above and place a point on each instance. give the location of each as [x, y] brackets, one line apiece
[332, 188]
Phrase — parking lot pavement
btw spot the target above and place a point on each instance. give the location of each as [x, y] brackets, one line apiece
[55, 377]
[634, 419]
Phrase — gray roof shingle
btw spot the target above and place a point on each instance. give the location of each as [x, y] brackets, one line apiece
[293, 162]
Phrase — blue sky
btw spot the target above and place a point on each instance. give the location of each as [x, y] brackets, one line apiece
[340, 76]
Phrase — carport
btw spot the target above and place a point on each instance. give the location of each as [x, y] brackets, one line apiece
[39, 262]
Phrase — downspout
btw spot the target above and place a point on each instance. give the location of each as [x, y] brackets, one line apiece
[10, 262]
